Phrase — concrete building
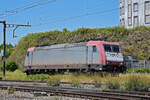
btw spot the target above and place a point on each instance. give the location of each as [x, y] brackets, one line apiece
[134, 13]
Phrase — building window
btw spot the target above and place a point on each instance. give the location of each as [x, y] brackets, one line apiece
[129, 21]
[120, 1]
[147, 19]
[123, 10]
[123, 2]
[129, 10]
[123, 22]
[135, 7]
[147, 12]
[120, 11]
[120, 23]
[129, 1]
[136, 21]
[129, 14]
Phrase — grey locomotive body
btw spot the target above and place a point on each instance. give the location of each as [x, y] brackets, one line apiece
[62, 57]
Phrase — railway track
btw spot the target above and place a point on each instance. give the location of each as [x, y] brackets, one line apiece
[38, 82]
[79, 93]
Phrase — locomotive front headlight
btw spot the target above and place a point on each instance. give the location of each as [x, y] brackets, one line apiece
[121, 63]
[107, 62]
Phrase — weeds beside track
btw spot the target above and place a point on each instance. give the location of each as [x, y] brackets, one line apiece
[79, 92]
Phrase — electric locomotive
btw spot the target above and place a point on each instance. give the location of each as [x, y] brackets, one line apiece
[84, 56]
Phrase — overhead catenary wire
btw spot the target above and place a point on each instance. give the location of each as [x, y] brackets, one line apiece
[24, 8]
[85, 9]
[77, 16]
[34, 4]
[87, 13]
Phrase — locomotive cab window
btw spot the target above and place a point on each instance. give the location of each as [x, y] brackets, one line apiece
[115, 48]
[94, 49]
[27, 53]
[112, 48]
[107, 48]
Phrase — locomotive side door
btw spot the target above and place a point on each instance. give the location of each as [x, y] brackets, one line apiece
[29, 54]
[90, 54]
[93, 55]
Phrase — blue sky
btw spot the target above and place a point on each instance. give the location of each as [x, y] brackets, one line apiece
[56, 15]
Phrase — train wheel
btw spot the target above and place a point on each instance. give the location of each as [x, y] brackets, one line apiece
[28, 72]
[124, 68]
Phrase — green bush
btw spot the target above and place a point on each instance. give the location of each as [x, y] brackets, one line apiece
[113, 85]
[54, 83]
[139, 70]
[134, 84]
[76, 85]
[11, 91]
[97, 84]
[41, 77]
[11, 66]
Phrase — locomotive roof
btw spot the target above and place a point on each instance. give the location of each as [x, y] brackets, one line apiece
[66, 45]
[102, 42]
[69, 45]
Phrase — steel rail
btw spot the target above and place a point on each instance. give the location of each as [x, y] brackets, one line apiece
[36, 81]
[82, 93]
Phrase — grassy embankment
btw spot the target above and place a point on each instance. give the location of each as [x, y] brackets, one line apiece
[81, 78]
[133, 41]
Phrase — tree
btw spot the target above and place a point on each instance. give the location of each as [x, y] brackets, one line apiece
[9, 49]
[65, 30]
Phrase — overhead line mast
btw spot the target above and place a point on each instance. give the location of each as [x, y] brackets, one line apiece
[4, 46]
[4, 39]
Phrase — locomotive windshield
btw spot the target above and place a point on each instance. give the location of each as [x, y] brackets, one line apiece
[111, 48]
